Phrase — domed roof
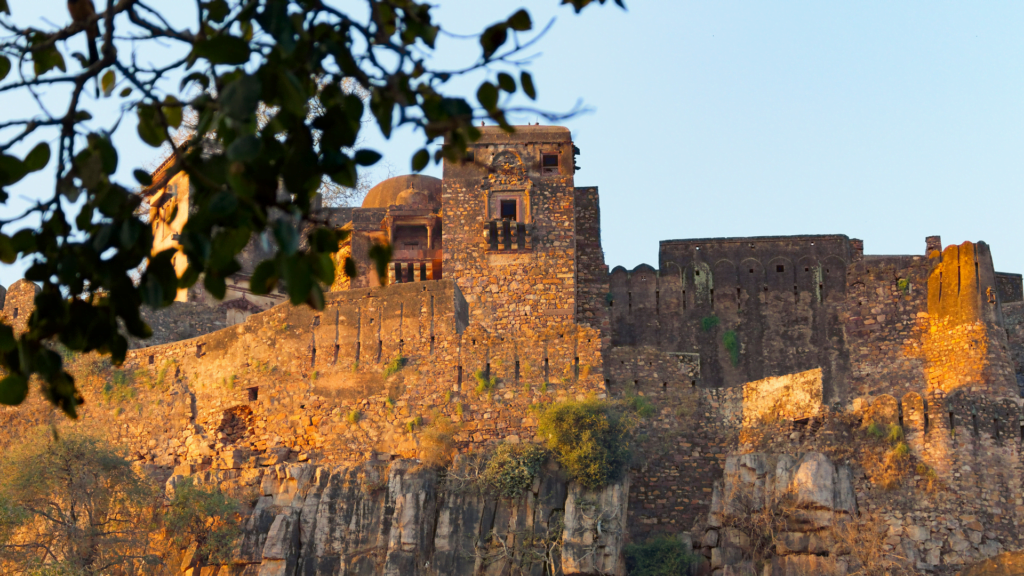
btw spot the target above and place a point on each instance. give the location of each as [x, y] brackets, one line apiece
[413, 189]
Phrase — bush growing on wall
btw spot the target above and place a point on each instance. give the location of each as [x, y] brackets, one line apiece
[591, 438]
[512, 467]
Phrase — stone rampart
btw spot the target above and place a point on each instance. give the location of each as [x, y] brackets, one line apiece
[359, 380]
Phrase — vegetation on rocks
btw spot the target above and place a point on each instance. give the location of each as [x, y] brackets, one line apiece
[659, 556]
[592, 438]
[512, 467]
[71, 504]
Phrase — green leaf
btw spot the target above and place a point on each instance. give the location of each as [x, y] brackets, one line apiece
[38, 158]
[13, 390]
[350, 267]
[244, 149]
[5, 65]
[149, 128]
[127, 90]
[367, 157]
[143, 177]
[264, 278]
[11, 170]
[506, 82]
[45, 60]
[218, 10]
[4, 8]
[420, 160]
[7, 341]
[108, 81]
[223, 49]
[492, 39]
[488, 96]
[241, 97]
[520, 21]
[381, 255]
[7, 255]
[287, 237]
[527, 82]
[172, 111]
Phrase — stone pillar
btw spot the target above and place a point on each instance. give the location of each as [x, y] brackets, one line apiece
[857, 249]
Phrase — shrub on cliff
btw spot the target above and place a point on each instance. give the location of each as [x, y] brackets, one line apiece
[511, 468]
[659, 556]
[437, 443]
[203, 516]
[591, 438]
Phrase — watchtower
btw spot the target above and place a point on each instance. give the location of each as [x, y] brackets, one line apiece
[510, 227]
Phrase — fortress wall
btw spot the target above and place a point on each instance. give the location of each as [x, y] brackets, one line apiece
[284, 384]
[1013, 321]
[885, 321]
[751, 308]
[179, 321]
[1010, 287]
[591, 271]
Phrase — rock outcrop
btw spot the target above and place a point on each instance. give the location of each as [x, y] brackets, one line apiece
[402, 519]
[779, 511]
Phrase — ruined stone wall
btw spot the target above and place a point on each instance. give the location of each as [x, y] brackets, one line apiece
[180, 321]
[751, 308]
[1010, 287]
[591, 271]
[512, 286]
[1013, 322]
[359, 380]
[886, 318]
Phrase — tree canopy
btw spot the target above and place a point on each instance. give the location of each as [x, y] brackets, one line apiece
[239, 57]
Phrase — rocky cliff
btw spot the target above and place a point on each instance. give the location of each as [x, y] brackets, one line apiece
[401, 518]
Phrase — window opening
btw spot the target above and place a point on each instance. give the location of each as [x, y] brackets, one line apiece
[517, 372]
[780, 268]
[509, 210]
[254, 393]
[151, 359]
[357, 351]
[380, 349]
[337, 349]
[15, 313]
[316, 320]
[545, 369]
[576, 369]
[312, 357]
[549, 163]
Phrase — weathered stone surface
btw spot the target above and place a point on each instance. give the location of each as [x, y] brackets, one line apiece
[393, 519]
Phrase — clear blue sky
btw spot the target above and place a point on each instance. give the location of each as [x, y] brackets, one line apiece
[884, 121]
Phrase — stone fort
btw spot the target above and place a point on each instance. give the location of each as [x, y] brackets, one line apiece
[498, 272]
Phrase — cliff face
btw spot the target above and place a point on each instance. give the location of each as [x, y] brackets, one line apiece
[402, 519]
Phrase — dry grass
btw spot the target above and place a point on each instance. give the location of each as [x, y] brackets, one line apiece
[437, 443]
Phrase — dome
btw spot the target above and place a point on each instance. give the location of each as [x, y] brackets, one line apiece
[413, 189]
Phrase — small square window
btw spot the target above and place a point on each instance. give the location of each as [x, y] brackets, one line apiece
[549, 163]
[508, 210]
[780, 268]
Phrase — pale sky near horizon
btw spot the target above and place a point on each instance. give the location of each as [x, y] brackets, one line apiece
[883, 121]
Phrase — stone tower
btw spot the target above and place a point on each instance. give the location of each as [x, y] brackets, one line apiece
[510, 226]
